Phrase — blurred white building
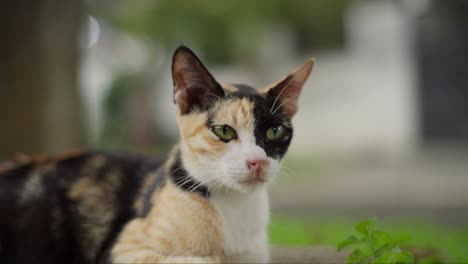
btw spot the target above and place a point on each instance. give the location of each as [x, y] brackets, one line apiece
[363, 100]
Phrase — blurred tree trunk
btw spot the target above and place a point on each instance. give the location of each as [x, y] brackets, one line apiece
[39, 97]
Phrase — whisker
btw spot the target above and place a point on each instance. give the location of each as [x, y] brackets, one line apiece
[178, 168]
[282, 103]
[215, 95]
[193, 188]
[289, 170]
[281, 92]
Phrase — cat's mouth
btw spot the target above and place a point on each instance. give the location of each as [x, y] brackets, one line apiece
[253, 180]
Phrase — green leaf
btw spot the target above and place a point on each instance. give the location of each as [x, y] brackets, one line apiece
[382, 236]
[349, 241]
[383, 250]
[397, 256]
[358, 252]
[385, 258]
[380, 239]
[356, 256]
[396, 250]
[377, 246]
[352, 259]
[366, 226]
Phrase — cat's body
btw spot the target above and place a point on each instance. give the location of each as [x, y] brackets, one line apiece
[66, 209]
[207, 202]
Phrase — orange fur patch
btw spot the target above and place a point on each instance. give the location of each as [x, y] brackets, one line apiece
[180, 224]
[20, 159]
[229, 87]
[197, 136]
[191, 124]
[236, 113]
[200, 141]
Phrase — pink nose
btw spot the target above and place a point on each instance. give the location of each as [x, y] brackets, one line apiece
[256, 166]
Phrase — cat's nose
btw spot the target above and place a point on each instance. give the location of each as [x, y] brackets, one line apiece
[256, 166]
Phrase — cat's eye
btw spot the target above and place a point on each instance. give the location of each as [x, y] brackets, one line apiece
[276, 132]
[224, 132]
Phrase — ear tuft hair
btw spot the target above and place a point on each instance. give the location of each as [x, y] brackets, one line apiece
[286, 91]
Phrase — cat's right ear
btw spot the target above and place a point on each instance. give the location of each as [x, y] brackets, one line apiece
[194, 86]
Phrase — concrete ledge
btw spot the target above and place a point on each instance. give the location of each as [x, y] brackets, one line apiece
[318, 254]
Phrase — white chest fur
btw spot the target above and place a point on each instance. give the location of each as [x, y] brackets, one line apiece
[245, 220]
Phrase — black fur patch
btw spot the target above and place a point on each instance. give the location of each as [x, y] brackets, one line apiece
[245, 89]
[265, 118]
[135, 168]
[47, 229]
[158, 182]
[30, 231]
[183, 180]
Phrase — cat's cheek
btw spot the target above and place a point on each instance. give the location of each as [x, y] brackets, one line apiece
[231, 165]
[272, 170]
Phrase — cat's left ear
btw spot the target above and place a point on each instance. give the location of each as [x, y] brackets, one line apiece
[194, 87]
[286, 92]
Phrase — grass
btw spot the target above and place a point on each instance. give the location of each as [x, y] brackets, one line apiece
[450, 242]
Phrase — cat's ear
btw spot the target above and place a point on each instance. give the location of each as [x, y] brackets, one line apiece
[194, 87]
[286, 92]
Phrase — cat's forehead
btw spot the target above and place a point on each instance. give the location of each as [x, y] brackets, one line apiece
[243, 102]
[241, 90]
[258, 97]
[236, 112]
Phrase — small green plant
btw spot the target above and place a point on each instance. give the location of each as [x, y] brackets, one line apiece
[375, 246]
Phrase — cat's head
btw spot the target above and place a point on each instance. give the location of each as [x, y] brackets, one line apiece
[233, 136]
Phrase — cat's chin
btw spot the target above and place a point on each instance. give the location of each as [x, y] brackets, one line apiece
[248, 186]
[251, 187]
[252, 181]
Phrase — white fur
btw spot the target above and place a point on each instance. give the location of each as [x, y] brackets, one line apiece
[32, 189]
[243, 208]
[229, 169]
[245, 219]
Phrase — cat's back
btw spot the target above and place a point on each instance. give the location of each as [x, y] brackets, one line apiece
[69, 208]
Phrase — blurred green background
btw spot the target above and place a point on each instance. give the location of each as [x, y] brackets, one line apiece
[381, 129]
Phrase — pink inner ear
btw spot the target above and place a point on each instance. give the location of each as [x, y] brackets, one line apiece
[194, 86]
[190, 97]
[289, 108]
[289, 88]
[188, 78]
[188, 71]
[287, 91]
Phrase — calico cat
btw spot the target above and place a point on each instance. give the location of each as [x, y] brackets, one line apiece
[206, 203]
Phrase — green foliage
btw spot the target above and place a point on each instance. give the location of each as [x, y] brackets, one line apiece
[113, 129]
[439, 243]
[219, 29]
[375, 246]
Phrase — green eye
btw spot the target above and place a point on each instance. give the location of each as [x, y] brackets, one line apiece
[225, 133]
[276, 132]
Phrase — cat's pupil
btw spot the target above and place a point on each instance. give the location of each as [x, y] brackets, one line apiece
[225, 130]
